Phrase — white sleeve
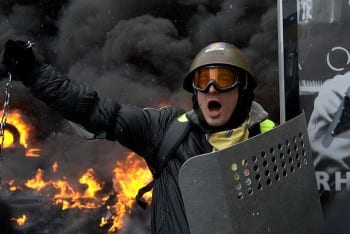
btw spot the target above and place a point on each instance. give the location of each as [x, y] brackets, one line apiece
[326, 105]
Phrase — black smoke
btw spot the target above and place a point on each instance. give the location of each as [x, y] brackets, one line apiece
[135, 51]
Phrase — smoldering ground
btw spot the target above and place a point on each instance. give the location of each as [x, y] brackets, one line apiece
[136, 52]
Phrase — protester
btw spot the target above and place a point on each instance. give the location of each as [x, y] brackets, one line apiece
[224, 113]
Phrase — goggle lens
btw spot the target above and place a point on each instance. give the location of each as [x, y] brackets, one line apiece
[222, 77]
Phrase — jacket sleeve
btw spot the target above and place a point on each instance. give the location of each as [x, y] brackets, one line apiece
[140, 130]
[75, 102]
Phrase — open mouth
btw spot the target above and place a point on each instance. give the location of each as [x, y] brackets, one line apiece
[214, 106]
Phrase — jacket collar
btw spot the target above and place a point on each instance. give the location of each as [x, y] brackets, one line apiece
[257, 114]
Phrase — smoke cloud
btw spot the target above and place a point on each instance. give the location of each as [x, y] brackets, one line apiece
[135, 51]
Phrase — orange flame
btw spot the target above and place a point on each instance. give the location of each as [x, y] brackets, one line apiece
[21, 220]
[54, 167]
[12, 186]
[37, 183]
[24, 129]
[67, 196]
[129, 177]
[163, 104]
[14, 118]
[33, 152]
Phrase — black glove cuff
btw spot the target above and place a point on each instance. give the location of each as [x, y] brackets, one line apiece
[29, 76]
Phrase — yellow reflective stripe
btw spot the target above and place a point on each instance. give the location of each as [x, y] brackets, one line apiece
[182, 118]
[266, 125]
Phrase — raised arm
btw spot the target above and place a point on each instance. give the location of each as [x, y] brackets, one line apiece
[76, 102]
[140, 130]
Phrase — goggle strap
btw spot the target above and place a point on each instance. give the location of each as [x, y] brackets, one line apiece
[213, 82]
[246, 82]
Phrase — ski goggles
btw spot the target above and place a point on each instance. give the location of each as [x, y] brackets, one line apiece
[223, 78]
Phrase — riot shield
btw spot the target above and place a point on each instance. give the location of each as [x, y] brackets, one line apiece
[266, 184]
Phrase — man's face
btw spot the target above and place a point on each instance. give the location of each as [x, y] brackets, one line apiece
[217, 107]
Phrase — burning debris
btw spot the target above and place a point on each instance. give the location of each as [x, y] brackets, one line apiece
[112, 205]
[111, 202]
[17, 133]
[129, 177]
[21, 220]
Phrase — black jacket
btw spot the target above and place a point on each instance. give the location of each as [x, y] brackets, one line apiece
[140, 130]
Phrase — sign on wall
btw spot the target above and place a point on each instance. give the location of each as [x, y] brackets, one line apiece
[323, 73]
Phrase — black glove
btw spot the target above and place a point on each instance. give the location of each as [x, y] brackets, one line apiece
[19, 59]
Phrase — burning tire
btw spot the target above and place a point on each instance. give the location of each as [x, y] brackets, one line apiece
[14, 132]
